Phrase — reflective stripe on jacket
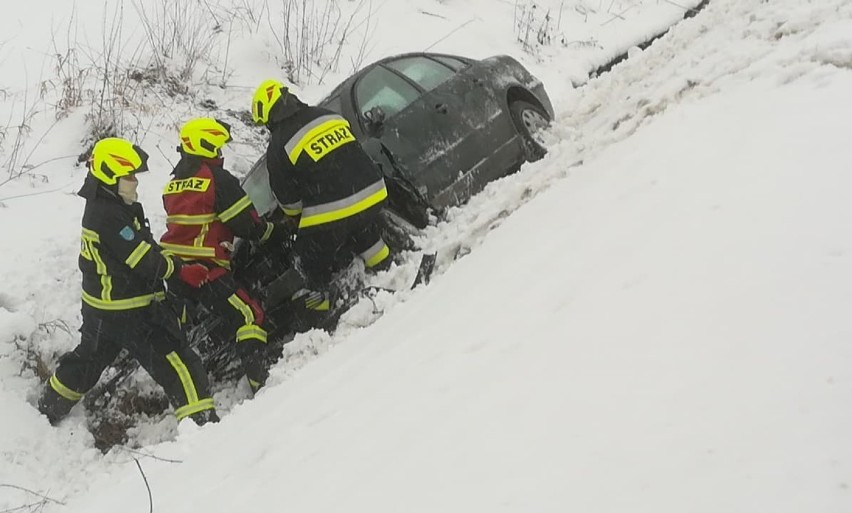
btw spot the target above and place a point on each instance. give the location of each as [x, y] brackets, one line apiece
[206, 207]
[318, 170]
[123, 267]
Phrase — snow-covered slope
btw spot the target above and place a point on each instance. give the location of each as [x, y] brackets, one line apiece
[661, 328]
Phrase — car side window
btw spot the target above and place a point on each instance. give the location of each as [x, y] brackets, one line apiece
[427, 73]
[383, 88]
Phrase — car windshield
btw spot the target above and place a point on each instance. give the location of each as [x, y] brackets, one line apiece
[256, 185]
[383, 88]
[427, 73]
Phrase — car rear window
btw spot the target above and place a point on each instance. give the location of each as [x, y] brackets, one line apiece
[427, 73]
[383, 88]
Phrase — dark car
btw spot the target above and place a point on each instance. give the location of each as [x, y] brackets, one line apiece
[440, 126]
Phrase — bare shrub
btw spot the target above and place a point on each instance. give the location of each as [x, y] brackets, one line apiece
[313, 36]
[535, 27]
[19, 131]
[116, 88]
[179, 34]
[248, 13]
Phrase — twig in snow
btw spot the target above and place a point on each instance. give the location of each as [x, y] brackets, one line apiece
[675, 4]
[21, 488]
[28, 507]
[468, 22]
[164, 155]
[427, 13]
[149, 455]
[145, 478]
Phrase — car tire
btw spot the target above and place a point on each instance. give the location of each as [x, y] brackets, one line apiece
[529, 120]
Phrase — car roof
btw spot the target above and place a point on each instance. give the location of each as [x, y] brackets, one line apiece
[354, 76]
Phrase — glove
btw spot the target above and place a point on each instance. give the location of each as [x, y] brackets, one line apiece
[194, 275]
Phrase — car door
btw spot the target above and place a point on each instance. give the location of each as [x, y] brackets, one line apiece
[453, 86]
[423, 126]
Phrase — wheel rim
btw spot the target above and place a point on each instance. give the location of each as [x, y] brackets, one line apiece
[534, 122]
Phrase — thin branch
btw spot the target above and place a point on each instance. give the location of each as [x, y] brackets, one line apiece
[21, 488]
[468, 22]
[39, 193]
[145, 478]
[24, 507]
[148, 455]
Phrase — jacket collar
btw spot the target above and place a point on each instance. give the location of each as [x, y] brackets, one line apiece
[188, 165]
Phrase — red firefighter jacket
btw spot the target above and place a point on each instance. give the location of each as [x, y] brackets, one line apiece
[206, 207]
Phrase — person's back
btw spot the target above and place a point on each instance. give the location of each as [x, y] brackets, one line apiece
[325, 183]
[206, 207]
[314, 157]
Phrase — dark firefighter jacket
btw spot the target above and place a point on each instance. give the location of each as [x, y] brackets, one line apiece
[318, 170]
[123, 267]
[206, 207]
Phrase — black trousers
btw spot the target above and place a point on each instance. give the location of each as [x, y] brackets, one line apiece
[324, 249]
[153, 337]
[243, 316]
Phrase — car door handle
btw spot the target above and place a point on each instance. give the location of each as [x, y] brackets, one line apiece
[442, 108]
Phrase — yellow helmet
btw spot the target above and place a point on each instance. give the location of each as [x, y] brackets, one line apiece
[113, 158]
[265, 97]
[204, 137]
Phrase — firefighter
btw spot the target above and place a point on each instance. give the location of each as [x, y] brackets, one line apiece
[326, 184]
[206, 208]
[123, 271]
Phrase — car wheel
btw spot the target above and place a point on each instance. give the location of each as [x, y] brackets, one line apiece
[530, 120]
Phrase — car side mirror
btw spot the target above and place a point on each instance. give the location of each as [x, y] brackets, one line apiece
[375, 121]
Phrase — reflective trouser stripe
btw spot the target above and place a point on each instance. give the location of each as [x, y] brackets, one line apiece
[242, 307]
[234, 210]
[122, 304]
[193, 403]
[170, 267]
[376, 254]
[292, 209]
[193, 408]
[341, 209]
[316, 301]
[64, 391]
[251, 332]
[185, 378]
[269, 229]
[135, 257]
[320, 307]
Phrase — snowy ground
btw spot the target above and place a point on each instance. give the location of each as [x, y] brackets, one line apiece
[663, 327]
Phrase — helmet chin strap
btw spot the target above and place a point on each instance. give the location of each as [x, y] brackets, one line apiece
[127, 190]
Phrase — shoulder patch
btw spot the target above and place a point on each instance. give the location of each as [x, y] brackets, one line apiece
[127, 233]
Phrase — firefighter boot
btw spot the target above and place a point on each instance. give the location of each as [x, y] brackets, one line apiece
[253, 356]
[54, 406]
[203, 417]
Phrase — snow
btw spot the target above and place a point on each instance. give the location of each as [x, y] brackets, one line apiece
[652, 318]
